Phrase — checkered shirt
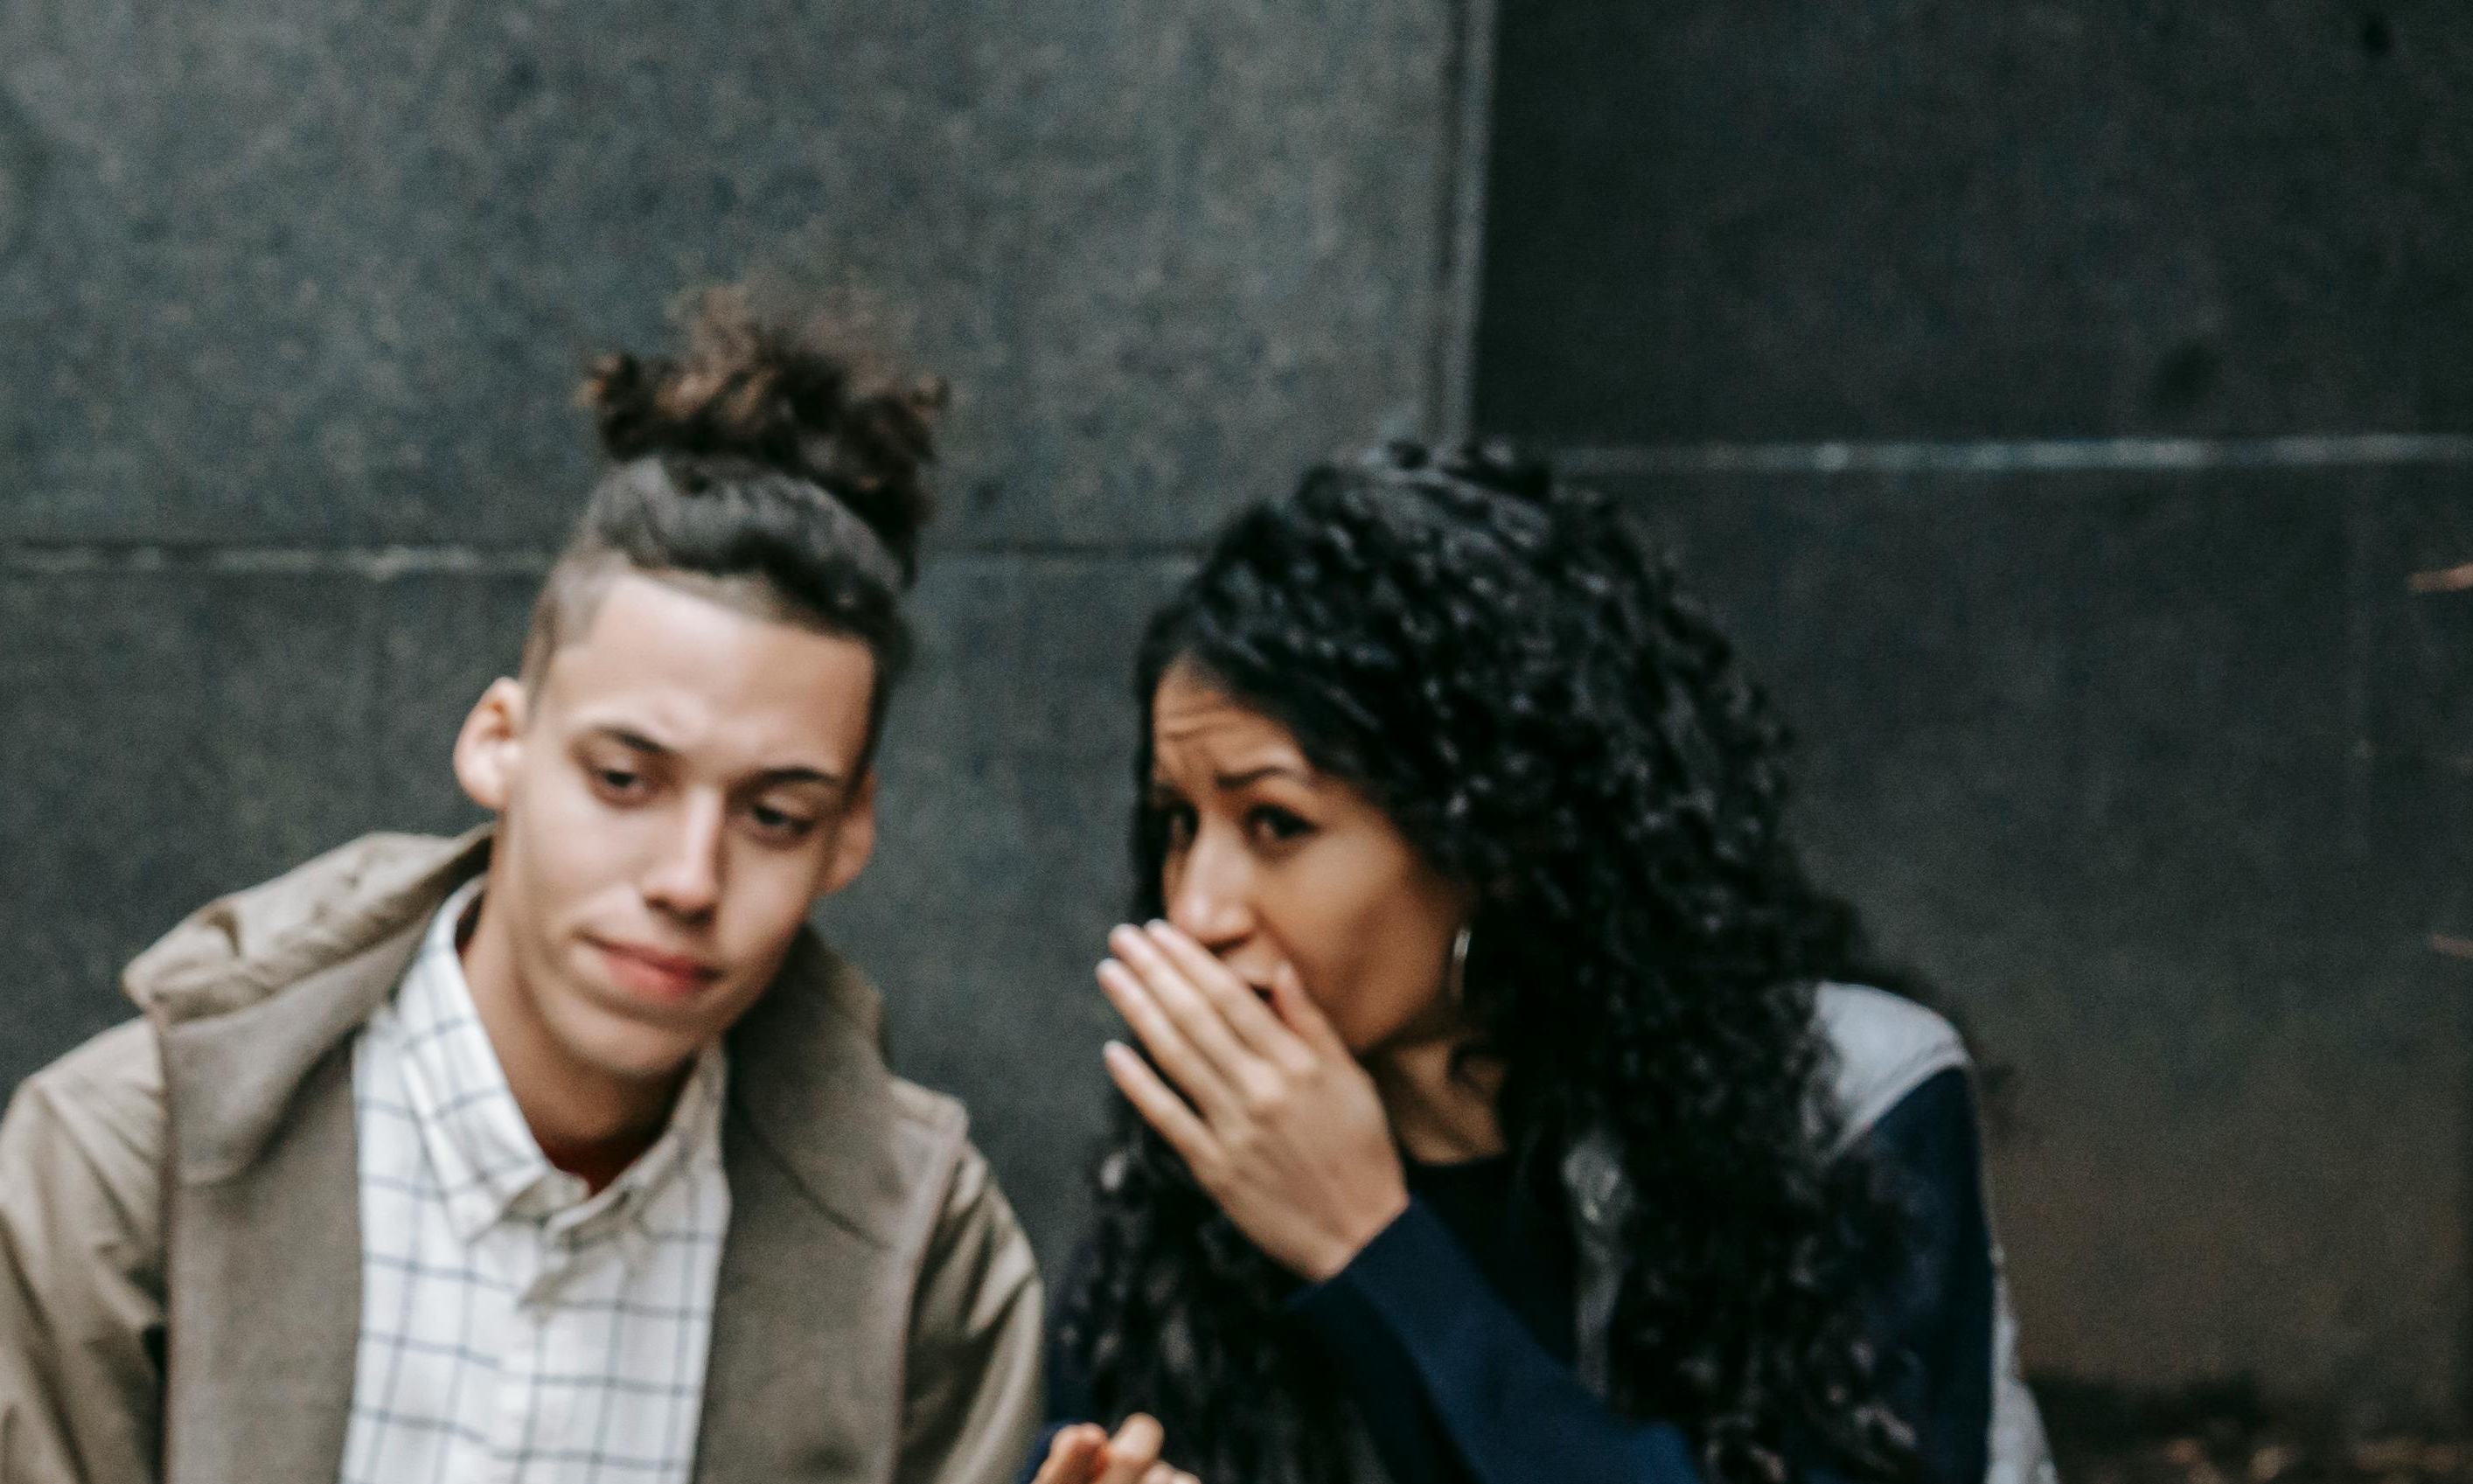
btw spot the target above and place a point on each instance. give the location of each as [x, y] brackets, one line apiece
[516, 1328]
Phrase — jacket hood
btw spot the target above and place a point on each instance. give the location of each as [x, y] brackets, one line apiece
[238, 949]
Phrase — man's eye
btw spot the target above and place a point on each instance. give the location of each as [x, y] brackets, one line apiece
[777, 822]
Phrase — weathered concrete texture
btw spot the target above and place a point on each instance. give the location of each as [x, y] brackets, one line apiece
[1943, 219]
[2156, 777]
[272, 272]
[1007, 792]
[173, 736]
[169, 737]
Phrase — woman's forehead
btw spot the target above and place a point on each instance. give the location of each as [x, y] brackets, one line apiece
[1190, 715]
[1223, 744]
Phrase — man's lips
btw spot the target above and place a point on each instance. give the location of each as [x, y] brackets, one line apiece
[652, 971]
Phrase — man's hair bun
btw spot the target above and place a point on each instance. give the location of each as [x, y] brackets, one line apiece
[750, 396]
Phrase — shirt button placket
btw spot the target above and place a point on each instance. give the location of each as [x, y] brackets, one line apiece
[520, 1426]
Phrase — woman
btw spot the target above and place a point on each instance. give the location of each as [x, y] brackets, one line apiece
[1506, 1109]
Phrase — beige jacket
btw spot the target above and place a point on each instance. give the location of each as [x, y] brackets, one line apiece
[180, 1227]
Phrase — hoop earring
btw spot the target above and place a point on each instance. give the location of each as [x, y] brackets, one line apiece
[1456, 979]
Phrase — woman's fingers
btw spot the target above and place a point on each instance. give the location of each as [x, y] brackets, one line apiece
[1085, 1455]
[1242, 1010]
[1159, 1107]
[1074, 1456]
[1185, 1002]
[1134, 1452]
[1165, 1037]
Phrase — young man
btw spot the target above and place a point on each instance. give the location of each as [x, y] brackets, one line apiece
[564, 1151]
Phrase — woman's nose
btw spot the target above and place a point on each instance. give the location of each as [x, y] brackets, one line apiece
[1209, 893]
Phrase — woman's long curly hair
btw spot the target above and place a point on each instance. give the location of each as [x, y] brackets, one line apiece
[1509, 671]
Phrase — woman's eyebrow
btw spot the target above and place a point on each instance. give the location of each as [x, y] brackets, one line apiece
[1236, 780]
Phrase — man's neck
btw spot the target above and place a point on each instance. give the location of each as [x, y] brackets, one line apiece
[587, 1121]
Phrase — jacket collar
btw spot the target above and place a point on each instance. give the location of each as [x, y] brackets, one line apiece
[257, 1000]
[254, 990]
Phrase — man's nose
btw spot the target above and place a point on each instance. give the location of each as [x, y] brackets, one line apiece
[685, 880]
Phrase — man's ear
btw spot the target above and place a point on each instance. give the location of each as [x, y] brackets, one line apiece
[491, 745]
[855, 840]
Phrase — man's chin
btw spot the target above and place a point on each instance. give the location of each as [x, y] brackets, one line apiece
[627, 1049]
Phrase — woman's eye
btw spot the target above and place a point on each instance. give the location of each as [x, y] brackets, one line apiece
[1179, 821]
[618, 780]
[1279, 825]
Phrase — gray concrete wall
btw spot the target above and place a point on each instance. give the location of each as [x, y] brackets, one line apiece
[292, 297]
[2058, 399]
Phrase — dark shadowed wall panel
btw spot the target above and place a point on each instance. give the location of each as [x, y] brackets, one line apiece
[2058, 399]
[1930, 218]
[2153, 775]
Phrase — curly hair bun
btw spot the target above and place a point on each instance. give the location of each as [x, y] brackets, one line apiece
[747, 392]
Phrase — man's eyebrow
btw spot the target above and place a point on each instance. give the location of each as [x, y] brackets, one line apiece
[798, 772]
[770, 778]
[635, 741]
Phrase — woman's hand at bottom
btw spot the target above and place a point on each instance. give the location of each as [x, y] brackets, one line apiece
[1085, 1455]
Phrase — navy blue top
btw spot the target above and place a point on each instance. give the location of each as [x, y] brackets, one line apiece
[1453, 1329]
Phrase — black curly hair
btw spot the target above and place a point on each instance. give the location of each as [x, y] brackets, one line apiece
[1509, 670]
[768, 466]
